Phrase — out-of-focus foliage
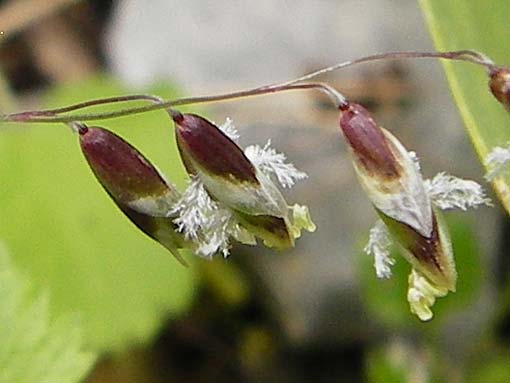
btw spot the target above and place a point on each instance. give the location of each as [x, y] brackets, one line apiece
[496, 369]
[36, 347]
[459, 24]
[65, 231]
[402, 361]
[225, 281]
[386, 299]
[381, 366]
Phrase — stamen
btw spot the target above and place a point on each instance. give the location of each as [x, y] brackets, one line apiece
[449, 192]
[379, 243]
[270, 162]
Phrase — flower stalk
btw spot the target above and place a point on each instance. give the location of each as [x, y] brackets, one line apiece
[59, 114]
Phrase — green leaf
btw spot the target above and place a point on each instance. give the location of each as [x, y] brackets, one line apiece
[62, 227]
[459, 24]
[33, 347]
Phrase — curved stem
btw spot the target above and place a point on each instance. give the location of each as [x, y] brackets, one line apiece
[33, 115]
[99, 101]
[51, 115]
[467, 55]
[338, 99]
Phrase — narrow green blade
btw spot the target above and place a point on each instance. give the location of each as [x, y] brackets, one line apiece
[483, 26]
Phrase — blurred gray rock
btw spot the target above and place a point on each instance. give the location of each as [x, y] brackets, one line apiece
[208, 44]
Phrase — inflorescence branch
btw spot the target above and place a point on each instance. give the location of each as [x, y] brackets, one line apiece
[234, 193]
[59, 114]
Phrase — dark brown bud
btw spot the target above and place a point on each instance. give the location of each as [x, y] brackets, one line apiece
[134, 184]
[203, 145]
[499, 84]
[368, 143]
[394, 185]
[123, 171]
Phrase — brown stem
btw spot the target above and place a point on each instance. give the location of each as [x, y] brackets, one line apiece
[51, 115]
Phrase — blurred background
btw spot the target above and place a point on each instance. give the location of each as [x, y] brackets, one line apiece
[316, 313]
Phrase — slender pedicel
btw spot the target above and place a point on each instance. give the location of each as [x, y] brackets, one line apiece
[30, 114]
[462, 55]
[51, 115]
[47, 116]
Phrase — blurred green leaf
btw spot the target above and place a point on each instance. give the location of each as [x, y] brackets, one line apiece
[63, 228]
[34, 348]
[468, 263]
[386, 299]
[382, 366]
[226, 281]
[483, 26]
[494, 368]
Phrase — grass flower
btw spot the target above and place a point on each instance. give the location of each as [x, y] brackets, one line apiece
[232, 193]
[408, 208]
[134, 184]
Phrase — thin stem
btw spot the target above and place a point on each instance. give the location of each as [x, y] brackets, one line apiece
[38, 116]
[49, 115]
[28, 116]
[99, 101]
[461, 55]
